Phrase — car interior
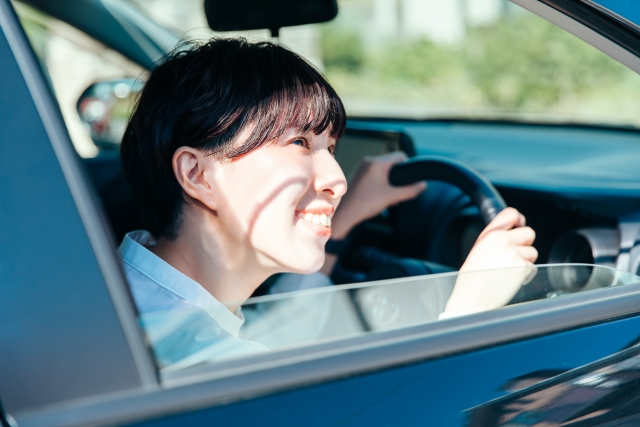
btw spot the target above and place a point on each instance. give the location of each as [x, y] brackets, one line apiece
[577, 206]
[430, 234]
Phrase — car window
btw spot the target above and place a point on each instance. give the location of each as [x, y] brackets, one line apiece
[475, 59]
[193, 333]
[486, 59]
[72, 61]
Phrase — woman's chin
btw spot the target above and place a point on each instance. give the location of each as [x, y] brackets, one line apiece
[305, 263]
[300, 252]
[309, 268]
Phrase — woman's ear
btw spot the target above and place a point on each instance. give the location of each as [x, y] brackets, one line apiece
[193, 171]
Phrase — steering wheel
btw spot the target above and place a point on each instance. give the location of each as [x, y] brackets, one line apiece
[424, 168]
[436, 168]
[381, 307]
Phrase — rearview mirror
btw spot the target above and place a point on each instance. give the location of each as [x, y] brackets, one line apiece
[104, 109]
[239, 15]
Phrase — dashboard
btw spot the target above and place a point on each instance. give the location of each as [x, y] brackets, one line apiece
[578, 186]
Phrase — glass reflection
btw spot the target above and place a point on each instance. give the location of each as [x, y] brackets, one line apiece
[182, 338]
[599, 394]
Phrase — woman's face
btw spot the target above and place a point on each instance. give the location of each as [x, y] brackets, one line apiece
[278, 200]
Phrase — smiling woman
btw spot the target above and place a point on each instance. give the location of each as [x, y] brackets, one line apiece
[251, 96]
[230, 155]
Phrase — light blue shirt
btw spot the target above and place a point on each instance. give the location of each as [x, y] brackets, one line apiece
[184, 323]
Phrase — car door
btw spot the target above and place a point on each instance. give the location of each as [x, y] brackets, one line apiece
[603, 393]
[73, 354]
[58, 260]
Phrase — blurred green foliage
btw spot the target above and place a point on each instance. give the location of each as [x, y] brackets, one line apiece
[342, 50]
[520, 62]
[32, 23]
[419, 61]
[528, 62]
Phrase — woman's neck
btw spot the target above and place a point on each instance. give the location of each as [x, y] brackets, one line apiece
[222, 268]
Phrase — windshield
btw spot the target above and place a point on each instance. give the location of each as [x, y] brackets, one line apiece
[190, 336]
[478, 59]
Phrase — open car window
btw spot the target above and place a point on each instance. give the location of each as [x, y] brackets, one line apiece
[192, 335]
[480, 59]
[477, 59]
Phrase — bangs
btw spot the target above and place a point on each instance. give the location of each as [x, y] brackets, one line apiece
[225, 97]
[282, 90]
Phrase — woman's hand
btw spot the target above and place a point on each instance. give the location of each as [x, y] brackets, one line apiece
[370, 193]
[490, 277]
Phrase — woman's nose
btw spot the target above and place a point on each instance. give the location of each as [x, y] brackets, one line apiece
[330, 180]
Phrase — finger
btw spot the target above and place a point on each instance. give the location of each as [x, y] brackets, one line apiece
[408, 192]
[418, 188]
[522, 222]
[506, 220]
[528, 253]
[393, 157]
[533, 272]
[386, 161]
[524, 236]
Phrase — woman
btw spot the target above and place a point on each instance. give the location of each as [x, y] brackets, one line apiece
[230, 155]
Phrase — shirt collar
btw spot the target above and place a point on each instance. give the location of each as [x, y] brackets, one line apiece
[134, 253]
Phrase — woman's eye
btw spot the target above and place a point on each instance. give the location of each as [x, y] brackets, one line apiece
[300, 142]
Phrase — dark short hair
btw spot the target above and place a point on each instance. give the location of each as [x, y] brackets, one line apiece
[204, 97]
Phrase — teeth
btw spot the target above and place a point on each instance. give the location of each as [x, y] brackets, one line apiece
[319, 219]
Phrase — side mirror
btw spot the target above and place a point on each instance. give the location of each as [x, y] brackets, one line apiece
[239, 15]
[104, 108]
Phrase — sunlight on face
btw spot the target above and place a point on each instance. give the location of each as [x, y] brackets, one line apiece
[279, 198]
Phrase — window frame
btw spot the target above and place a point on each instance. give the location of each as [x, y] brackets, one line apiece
[93, 223]
[264, 374]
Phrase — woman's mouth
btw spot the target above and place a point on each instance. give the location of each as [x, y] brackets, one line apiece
[314, 218]
[319, 223]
